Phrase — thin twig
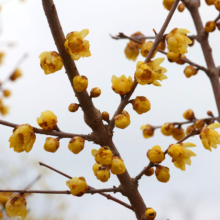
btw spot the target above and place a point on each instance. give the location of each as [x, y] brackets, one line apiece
[88, 137]
[90, 187]
[218, 17]
[32, 183]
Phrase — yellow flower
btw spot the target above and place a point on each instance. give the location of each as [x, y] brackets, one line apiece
[166, 129]
[210, 137]
[51, 144]
[147, 73]
[16, 74]
[132, 50]
[149, 172]
[199, 124]
[73, 107]
[146, 48]
[155, 154]
[162, 174]
[80, 83]
[76, 46]
[103, 155]
[121, 85]
[190, 71]
[173, 57]
[150, 214]
[47, 120]
[210, 26]
[117, 166]
[217, 5]
[95, 168]
[168, 4]
[4, 110]
[141, 104]
[78, 186]
[138, 35]
[180, 154]
[50, 62]
[6, 93]
[23, 138]
[189, 115]
[122, 120]
[209, 2]
[103, 174]
[95, 92]
[16, 207]
[177, 40]
[76, 144]
[148, 131]
[178, 133]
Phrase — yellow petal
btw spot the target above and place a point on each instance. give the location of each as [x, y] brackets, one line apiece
[214, 125]
[156, 83]
[94, 152]
[188, 144]
[84, 32]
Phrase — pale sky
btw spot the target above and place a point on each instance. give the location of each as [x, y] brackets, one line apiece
[25, 23]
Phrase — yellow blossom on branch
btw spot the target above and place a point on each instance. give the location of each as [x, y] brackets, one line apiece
[122, 120]
[51, 144]
[155, 154]
[16, 74]
[47, 120]
[16, 207]
[80, 83]
[149, 73]
[148, 130]
[180, 154]
[210, 137]
[132, 50]
[141, 104]
[50, 62]
[162, 173]
[76, 144]
[23, 138]
[117, 166]
[103, 155]
[78, 186]
[76, 46]
[150, 214]
[103, 174]
[121, 85]
[178, 41]
[168, 4]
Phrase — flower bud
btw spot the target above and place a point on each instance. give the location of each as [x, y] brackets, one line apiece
[181, 62]
[210, 26]
[121, 85]
[149, 172]
[189, 115]
[76, 144]
[173, 57]
[95, 168]
[4, 110]
[150, 214]
[16, 206]
[189, 129]
[209, 113]
[141, 104]
[51, 144]
[103, 155]
[16, 74]
[181, 7]
[161, 45]
[50, 62]
[80, 83]
[166, 129]
[199, 124]
[178, 133]
[148, 131]
[105, 116]
[132, 50]
[78, 186]
[209, 2]
[155, 154]
[138, 35]
[6, 93]
[117, 166]
[168, 4]
[73, 107]
[217, 4]
[190, 71]
[95, 92]
[23, 138]
[122, 120]
[146, 48]
[162, 174]
[103, 174]
[76, 46]
[47, 120]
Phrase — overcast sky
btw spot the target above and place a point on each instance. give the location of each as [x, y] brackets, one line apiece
[25, 23]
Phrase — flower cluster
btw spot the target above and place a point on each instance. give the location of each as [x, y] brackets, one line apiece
[105, 161]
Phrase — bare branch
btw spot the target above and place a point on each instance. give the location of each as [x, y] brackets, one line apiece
[60, 134]
[218, 17]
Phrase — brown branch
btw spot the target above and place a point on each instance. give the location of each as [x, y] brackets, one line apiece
[138, 177]
[32, 183]
[88, 137]
[218, 17]
[92, 188]
[158, 38]
[202, 38]
[161, 51]
[123, 36]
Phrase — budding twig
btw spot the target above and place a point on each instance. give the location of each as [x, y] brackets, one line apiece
[93, 190]
[52, 133]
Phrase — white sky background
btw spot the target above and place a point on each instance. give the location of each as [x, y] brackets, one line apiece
[197, 187]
